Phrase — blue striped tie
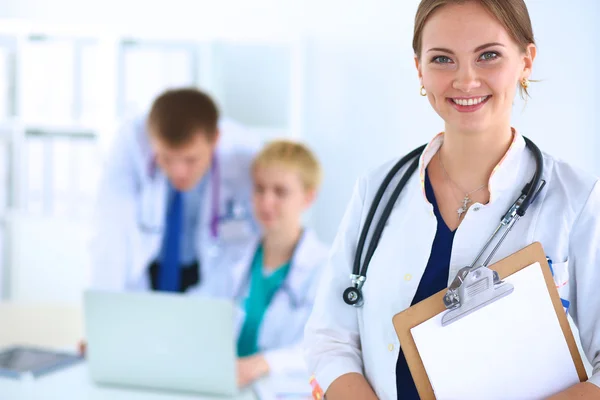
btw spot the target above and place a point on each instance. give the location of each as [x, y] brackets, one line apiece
[169, 274]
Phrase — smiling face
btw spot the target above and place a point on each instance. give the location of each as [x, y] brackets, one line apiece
[470, 67]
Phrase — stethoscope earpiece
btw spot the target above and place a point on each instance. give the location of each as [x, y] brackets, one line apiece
[353, 297]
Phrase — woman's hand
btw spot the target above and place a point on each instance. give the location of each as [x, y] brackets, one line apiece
[81, 348]
[251, 368]
[585, 390]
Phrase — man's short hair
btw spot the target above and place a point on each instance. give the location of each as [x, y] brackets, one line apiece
[177, 115]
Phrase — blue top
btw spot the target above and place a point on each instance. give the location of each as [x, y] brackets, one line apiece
[263, 286]
[435, 278]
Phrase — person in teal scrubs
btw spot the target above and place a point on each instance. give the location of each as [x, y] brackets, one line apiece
[262, 288]
[274, 278]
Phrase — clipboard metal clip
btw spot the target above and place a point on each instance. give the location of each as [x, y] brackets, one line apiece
[476, 286]
[471, 290]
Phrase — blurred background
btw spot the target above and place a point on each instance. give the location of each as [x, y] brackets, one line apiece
[338, 75]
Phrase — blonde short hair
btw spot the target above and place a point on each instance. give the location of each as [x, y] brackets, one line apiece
[292, 155]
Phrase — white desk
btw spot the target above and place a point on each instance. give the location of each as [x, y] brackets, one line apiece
[57, 327]
[74, 383]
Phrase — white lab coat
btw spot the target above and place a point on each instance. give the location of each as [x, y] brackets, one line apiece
[282, 328]
[131, 207]
[565, 218]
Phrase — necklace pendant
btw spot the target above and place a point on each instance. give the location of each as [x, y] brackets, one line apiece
[464, 207]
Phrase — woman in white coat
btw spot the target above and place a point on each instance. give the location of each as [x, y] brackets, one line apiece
[471, 57]
[274, 282]
[181, 146]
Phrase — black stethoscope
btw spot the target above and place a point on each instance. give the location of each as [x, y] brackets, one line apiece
[353, 294]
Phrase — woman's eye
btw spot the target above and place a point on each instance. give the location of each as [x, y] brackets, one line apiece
[441, 60]
[489, 55]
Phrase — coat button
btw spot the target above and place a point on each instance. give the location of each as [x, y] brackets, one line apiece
[390, 347]
[476, 208]
[407, 277]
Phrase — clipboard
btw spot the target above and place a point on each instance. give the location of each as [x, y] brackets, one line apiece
[425, 310]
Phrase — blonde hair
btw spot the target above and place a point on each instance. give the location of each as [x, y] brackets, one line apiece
[292, 155]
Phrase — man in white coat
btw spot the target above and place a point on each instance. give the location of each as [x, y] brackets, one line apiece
[175, 194]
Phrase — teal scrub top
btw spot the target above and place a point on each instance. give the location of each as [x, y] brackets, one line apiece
[262, 288]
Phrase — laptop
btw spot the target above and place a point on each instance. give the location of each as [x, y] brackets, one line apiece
[161, 341]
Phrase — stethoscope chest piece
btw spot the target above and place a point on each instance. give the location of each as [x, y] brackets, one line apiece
[353, 297]
[353, 294]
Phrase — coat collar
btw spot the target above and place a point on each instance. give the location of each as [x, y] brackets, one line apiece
[304, 262]
[504, 175]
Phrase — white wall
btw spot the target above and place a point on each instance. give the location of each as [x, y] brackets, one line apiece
[50, 270]
[165, 18]
[361, 94]
[562, 115]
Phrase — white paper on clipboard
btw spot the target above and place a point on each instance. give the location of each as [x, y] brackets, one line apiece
[513, 348]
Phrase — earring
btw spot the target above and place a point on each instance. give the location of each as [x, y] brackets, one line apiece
[525, 83]
[423, 92]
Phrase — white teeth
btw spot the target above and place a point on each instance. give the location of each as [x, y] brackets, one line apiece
[469, 102]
